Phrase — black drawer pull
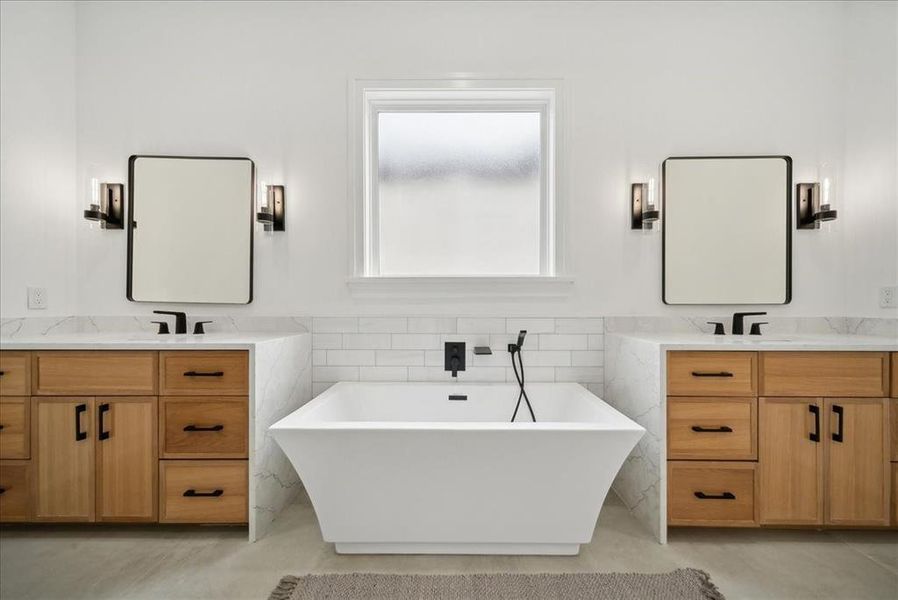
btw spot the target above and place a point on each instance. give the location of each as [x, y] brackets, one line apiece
[104, 408]
[195, 494]
[723, 496]
[79, 410]
[839, 436]
[2, 489]
[201, 428]
[814, 436]
[706, 374]
[203, 374]
[721, 429]
[1, 427]
[2, 373]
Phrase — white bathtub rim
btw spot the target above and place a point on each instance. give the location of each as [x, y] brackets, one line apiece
[621, 422]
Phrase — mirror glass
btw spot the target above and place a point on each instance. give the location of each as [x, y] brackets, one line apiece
[727, 230]
[190, 229]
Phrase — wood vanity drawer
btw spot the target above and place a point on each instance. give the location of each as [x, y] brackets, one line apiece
[15, 483]
[221, 373]
[15, 373]
[15, 427]
[204, 427]
[712, 428]
[203, 491]
[814, 374]
[711, 373]
[94, 373]
[711, 494]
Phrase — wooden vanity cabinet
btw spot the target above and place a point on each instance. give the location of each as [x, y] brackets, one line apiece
[893, 419]
[64, 471]
[83, 433]
[15, 436]
[857, 461]
[204, 434]
[790, 461]
[825, 438]
[126, 458]
[95, 459]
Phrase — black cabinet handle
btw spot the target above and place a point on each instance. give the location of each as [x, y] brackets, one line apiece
[201, 428]
[838, 436]
[104, 408]
[721, 429]
[2, 489]
[2, 373]
[706, 374]
[723, 496]
[1, 427]
[814, 436]
[79, 410]
[195, 494]
[203, 374]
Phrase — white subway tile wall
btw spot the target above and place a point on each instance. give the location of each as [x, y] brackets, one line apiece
[411, 349]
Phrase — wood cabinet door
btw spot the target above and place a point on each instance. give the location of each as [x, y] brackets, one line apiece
[857, 459]
[64, 433]
[790, 460]
[126, 458]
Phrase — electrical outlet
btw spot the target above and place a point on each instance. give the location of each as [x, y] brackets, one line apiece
[37, 298]
[888, 296]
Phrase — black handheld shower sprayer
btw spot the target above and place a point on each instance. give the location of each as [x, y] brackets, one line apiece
[515, 349]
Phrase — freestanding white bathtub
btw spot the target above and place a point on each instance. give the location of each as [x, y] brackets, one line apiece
[400, 468]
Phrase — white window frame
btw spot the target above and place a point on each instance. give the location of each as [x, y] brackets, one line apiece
[370, 97]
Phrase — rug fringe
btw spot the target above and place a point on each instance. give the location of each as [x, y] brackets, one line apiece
[285, 588]
[709, 589]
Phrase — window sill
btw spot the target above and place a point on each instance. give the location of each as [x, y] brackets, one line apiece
[460, 288]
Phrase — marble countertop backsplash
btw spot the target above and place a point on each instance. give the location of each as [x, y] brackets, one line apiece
[776, 325]
[29, 327]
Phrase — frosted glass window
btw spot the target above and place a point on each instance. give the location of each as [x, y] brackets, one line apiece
[458, 193]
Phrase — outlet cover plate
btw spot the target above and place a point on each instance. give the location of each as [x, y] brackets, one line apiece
[37, 298]
[888, 296]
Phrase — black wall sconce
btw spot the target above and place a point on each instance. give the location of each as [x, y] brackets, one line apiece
[643, 212]
[107, 205]
[271, 211]
[812, 205]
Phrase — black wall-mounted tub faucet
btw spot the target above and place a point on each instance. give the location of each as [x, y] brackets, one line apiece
[454, 357]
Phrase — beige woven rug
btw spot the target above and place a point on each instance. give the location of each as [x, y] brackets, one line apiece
[682, 584]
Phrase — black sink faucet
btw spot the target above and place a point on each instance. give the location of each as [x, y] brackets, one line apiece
[738, 327]
[180, 319]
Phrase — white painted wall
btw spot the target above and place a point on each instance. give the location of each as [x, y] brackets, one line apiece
[37, 155]
[870, 199]
[643, 81]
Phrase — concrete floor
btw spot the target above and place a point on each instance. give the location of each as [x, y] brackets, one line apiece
[49, 562]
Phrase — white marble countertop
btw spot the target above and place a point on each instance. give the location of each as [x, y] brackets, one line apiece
[691, 341]
[142, 341]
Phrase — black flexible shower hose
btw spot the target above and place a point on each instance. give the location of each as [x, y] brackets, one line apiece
[523, 393]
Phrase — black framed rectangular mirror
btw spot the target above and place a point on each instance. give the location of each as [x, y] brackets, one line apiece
[727, 230]
[190, 229]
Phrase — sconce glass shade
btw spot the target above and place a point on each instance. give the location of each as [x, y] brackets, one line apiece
[814, 204]
[825, 212]
[270, 207]
[105, 204]
[643, 209]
